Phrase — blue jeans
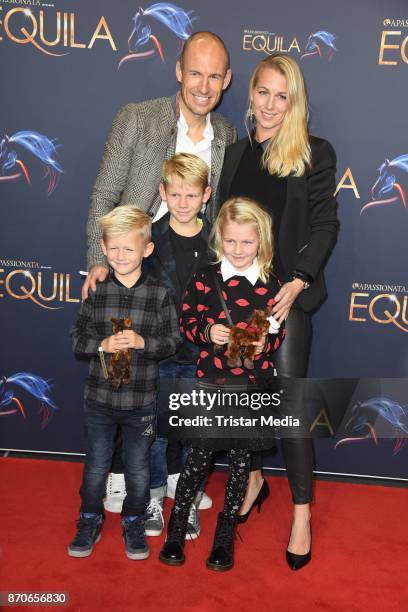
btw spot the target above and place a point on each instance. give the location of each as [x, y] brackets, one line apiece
[138, 431]
[158, 451]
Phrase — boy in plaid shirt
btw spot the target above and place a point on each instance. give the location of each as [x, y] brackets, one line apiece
[154, 335]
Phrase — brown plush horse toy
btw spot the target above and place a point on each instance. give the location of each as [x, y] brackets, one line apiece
[119, 366]
[240, 340]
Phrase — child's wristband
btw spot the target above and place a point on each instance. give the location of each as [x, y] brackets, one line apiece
[207, 333]
[103, 363]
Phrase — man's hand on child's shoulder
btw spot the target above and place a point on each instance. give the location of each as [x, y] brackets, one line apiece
[95, 274]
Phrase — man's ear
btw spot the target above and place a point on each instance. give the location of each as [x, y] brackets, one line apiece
[105, 252]
[149, 248]
[179, 72]
[207, 194]
[227, 79]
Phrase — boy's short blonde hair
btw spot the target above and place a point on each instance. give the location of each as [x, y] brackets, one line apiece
[187, 167]
[124, 219]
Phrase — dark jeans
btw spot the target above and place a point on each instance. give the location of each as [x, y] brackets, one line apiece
[168, 457]
[291, 360]
[138, 431]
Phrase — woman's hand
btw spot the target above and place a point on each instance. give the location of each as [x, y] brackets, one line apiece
[285, 298]
[219, 334]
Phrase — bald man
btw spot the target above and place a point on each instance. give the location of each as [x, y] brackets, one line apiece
[144, 135]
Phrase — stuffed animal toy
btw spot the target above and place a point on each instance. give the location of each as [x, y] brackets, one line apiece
[119, 365]
[240, 342]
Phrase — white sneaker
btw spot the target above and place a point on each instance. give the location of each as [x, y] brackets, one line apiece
[202, 500]
[154, 523]
[172, 480]
[115, 492]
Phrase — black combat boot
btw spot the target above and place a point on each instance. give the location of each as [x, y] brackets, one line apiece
[172, 552]
[221, 558]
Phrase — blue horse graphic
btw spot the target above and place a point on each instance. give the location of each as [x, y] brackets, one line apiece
[392, 181]
[176, 19]
[40, 147]
[35, 386]
[365, 414]
[320, 43]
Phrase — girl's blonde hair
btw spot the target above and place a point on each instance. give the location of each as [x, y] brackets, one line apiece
[245, 210]
[124, 219]
[289, 151]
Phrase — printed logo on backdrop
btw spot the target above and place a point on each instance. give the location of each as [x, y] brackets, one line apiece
[35, 387]
[391, 186]
[158, 29]
[49, 31]
[379, 304]
[23, 153]
[377, 417]
[319, 44]
[154, 24]
[37, 284]
[393, 47]
[347, 182]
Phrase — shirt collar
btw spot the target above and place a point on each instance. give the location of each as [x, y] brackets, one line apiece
[228, 271]
[182, 125]
[262, 145]
[139, 281]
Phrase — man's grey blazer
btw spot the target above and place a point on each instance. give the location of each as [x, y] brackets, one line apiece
[142, 137]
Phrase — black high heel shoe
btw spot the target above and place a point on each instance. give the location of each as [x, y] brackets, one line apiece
[258, 501]
[296, 562]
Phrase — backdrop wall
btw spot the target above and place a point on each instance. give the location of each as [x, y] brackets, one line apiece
[67, 68]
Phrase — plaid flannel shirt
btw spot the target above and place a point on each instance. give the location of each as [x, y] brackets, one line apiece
[150, 306]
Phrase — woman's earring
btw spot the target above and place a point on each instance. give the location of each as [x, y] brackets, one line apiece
[250, 113]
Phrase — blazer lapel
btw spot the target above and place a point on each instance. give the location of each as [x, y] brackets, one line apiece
[217, 158]
[293, 213]
[171, 149]
[234, 155]
[158, 143]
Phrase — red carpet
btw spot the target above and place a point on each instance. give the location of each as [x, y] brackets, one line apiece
[360, 551]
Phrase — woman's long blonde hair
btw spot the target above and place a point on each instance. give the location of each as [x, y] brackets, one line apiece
[289, 151]
[245, 210]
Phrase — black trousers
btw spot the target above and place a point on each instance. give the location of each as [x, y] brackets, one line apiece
[292, 360]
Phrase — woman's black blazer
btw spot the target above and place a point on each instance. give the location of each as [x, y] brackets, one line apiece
[309, 224]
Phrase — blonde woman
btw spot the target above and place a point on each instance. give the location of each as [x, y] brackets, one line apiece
[292, 175]
[241, 239]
